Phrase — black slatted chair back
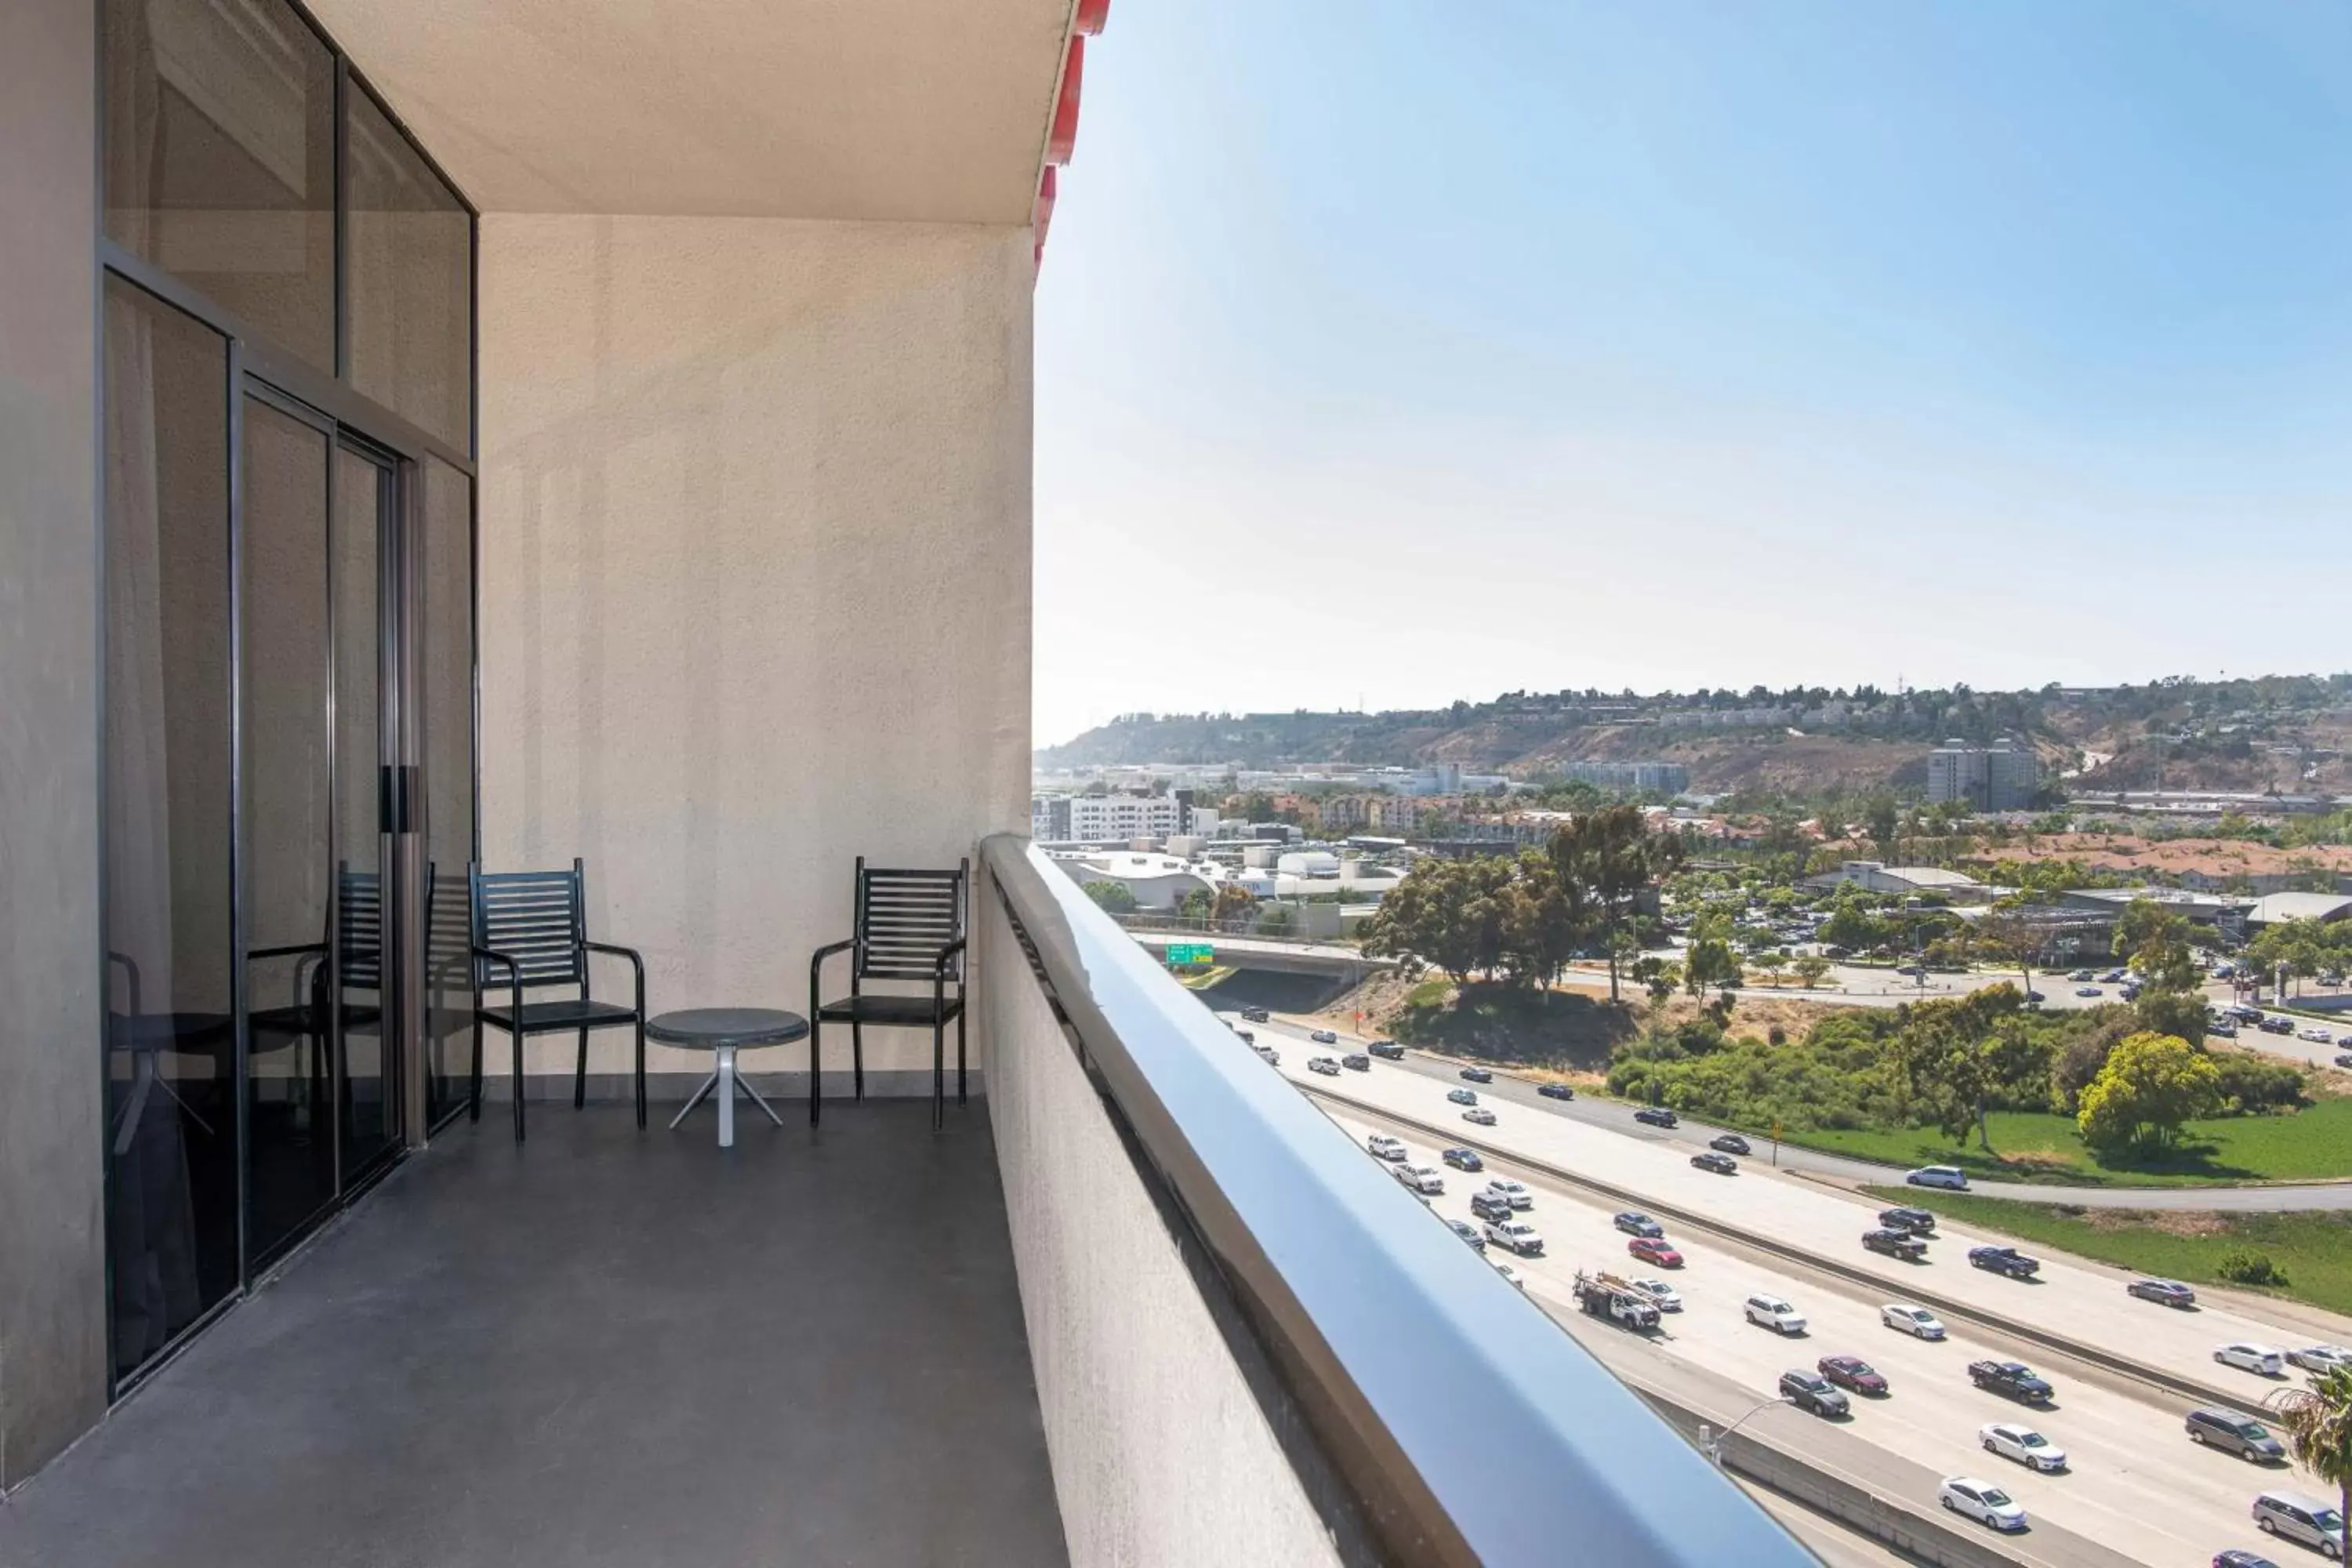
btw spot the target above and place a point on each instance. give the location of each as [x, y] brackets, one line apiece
[359, 928]
[538, 918]
[448, 917]
[904, 918]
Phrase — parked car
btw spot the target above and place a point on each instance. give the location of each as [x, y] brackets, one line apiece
[2273, 1024]
[1513, 1193]
[1982, 1502]
[1810, 1391]
[2234, 1432]
[1918, 1222]
[2004, 1260]
[1476, 1075]
[1649, 1249]
[1657, 1116]
[2248, 1356]
[1894, 1243]
[2080, 975]
[2221, 1028]
[1729, 1143]
[2344, 1058]
[2024, 1444]
[1388, 1049]
[2013, 1378]
[1662, 1296]
[2316, 1035]
[1515, 1236]
[1851, 1371]
[1469, 1232]
[1324, 1037]
[2088, 991]
[1383, 1147]
[1323, 1065]
[1917, 1321]
[2306, 1521]
[2034, 996]
[1489, 1205]
[1555, 1091]
[1462, 1096]
[2163, 1292]
[1479, 1115]
[1633, 1221]
[1774, 1313]
[2113, 977]
[1949, 1176]
[1721, 1164]
[1420, 1178]
[2319, 1358]
[1463, 1159]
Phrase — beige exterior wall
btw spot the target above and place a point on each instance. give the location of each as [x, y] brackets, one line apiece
[754, 584]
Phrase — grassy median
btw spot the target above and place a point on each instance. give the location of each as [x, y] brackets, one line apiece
[2314, 1250]
[2311, 1144]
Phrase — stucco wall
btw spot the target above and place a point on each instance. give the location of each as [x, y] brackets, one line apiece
[52, 1278]
[755, 580]
[1160, 1453]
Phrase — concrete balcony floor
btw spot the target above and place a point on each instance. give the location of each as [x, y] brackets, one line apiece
[606, 1347]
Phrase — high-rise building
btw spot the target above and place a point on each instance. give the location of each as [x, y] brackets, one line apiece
[2002, 776]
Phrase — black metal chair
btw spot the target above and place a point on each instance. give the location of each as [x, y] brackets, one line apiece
[533, 927]
[310, 1017]
[910, 926]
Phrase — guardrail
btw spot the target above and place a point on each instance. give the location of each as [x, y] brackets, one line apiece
[2081, 1350]
[1435, 1414]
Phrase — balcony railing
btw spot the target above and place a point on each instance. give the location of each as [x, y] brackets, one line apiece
[1250, 1344]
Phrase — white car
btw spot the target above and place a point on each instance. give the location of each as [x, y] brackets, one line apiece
[2024, 1444]
[1515, 1236]
[1917, 1321]
[1950, 1176]
[1479, 1115]
[1508, 1272]
[2250, 1357]
[1774, 1313]
[1383, 1147]
[2316, 1035]
[2319, 1358]
[1420, 1178]
[1513, 1193]
[1982, 1502]
[1662, 1296]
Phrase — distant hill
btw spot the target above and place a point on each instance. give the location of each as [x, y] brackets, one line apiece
[2284, 733]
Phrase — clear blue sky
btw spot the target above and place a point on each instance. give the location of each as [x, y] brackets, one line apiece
[1392, 351]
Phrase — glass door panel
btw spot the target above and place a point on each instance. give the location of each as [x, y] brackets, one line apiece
[359, 538]
[283, 768]
[445, 662]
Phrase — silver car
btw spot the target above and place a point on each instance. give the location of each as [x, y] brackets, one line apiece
[2304, 1520]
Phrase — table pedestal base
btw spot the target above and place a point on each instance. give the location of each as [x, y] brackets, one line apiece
[726, 1080]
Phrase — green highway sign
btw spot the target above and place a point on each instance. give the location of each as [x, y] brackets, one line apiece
[1191, 952]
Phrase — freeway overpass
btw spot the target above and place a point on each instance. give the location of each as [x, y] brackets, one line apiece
[1327, 959]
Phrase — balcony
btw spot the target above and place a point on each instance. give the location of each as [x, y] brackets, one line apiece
[1140, 1303]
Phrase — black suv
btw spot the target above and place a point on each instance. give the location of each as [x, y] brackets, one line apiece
[1918, 1222]
[1489, 1206]
[2234, 1434]
[1476, 1075]
[1256, 1015]
[1387, 1048]
[1657, 1116]
[2004, 1260]
[1356, 1061]
[1555, 1091]
[1894, 1243]
[2013, 1378]
[1810, 1391]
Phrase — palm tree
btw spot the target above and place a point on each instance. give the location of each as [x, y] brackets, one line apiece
[2316, 1423]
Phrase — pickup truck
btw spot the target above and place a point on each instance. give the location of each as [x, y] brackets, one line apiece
[2004, 1260]
[1607, 1297]
[1894, 1243]
[2012, 1378]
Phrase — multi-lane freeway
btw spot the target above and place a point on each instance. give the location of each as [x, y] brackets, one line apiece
[2136, 1484]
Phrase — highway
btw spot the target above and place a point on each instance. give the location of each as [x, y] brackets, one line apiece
[1694, 1135]
[2137, 1484]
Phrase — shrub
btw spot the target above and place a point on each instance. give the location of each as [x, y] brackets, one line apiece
[2251, 1084]
[1776, 1035]
[2248, 1266]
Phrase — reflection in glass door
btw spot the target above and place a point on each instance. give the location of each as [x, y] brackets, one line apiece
[360, 533]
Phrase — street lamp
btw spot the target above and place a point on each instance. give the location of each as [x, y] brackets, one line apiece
[1710, 1442]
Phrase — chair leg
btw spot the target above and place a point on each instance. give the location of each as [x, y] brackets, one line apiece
[939, 1076]
[815, 1030]
[858, 1058]
[518, 1084]
[641, 1070]
[475, 1115]
[961, 1098]
[579, 1074]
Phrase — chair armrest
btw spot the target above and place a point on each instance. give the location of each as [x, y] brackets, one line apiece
[513, 968]
[636, 964]
[940, 964]
[816, 963]
[261, 952]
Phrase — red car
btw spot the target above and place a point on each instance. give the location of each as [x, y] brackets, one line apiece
[1650, 1250]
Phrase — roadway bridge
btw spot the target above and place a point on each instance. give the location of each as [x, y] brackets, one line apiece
[1323, 959]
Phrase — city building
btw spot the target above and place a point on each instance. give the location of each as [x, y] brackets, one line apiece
[2276, 908]
[598, 436]
[1115, 818]
[1647, 778]
[1875, 877]
[1049, 819]
[2002, 776]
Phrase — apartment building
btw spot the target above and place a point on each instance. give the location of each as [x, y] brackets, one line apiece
[495, 435]
[2002, 776]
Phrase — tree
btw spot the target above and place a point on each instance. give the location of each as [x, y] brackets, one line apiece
[2143, 921]
[1853, 927]
[1450, 913]
[1234, 904]
[2150, 1085]
[1604, 860]
[1810, 969]
[1115, 897]
[1771, 962]
[1659, 976]
[2316, 1423]
[1708, 965]
[1881, 819]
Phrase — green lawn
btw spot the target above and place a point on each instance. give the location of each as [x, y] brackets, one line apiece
[2311, 1144]
[2315, 1249]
